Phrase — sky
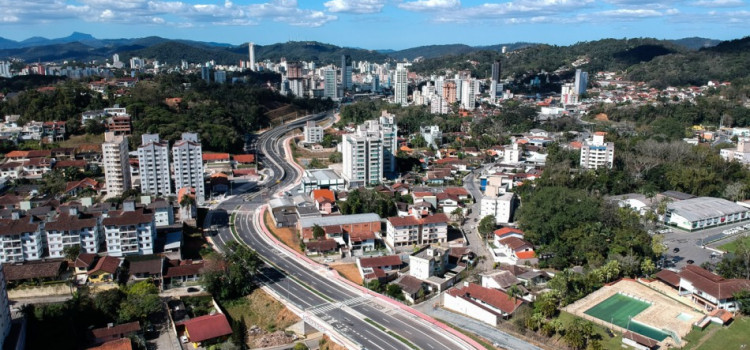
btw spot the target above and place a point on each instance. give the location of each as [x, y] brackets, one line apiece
[378, 24]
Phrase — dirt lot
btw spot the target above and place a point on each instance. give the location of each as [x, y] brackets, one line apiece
[327, 344]
[76, 140]
[262, 313]
[287, 235]
[349, 271]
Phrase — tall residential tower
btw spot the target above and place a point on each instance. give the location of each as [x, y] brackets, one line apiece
[187, 155]
[153, 164]
[116, 165]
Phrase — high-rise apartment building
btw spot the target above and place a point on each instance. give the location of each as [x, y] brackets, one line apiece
[369, 152]
[329, 81]
[449, 92]
[153, 165]
[187, 155]
[438, 105]
[401, 93]
[115, 162]
[5, 69]
[495, 80]
[251, 53]
[220, 76]
[467, 94]
[432, 135]
[582, 79]
[595, 153]
[346, 72]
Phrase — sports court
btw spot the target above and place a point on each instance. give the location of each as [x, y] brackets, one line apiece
[632, 305]
[619, 309]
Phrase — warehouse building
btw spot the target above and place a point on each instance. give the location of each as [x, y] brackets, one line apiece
[704, 212]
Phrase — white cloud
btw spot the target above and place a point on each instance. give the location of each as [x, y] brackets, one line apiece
[355, 6]
[628, 14]
[430, 5]
[159, 12]
[718, 3]
[514, 11]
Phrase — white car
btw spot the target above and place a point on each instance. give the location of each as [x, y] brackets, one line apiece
[184, 339]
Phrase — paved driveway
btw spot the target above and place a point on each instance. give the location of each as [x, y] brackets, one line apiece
[691, 244]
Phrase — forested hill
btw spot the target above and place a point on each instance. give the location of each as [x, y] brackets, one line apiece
[310, 51]
[660, 62]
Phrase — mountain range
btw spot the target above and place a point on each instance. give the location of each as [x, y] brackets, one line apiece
[85, 47]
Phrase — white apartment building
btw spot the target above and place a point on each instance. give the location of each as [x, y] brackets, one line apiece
[69, 229]
[187, 155]
[438, 105]
[501, 207]
[5, 69]
[467, 94]
[370, 151]
[432, 135]
[512, 155]
[595, 153]
[20, 239]
[740, 154]
[115, 162]
[411, 230]
[153, 165]
[313, 132]
[568, 94]
[428, 262]
[129, 231]
[401, 87]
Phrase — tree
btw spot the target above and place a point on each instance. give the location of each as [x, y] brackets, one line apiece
[94, 127]
[108, 302]
[514, 292]
[300, 346]
[335, 157]
[141, 300]
[239, 333]
[231, 275]
[743, 298]
[187, 201]
[394, 291]
[318, 232]
[458, 215]
[418, 141]
[71, 252]
[486, 226]
[374, 285]
[647, 267]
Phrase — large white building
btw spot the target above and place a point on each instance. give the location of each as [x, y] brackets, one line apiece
[187, 155]
[20, 239]
[740, 154]
[5, 320]
[153, 165]
[129, 231]
[5, 69]
[370, 152]
[115, 161]
[313, 132]
[401, 87]
[251, 53]
[428, 262]
[411, 230]
[70, 229]
[432, 135]
[438, 105]
[467, 94]
[595, 153]
[501, 207]
[703, 212]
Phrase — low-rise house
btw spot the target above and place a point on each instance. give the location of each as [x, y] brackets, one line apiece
[11, 170]
[244, 160]
[350, 224]
[428, 262]
[504, 280]
[378, 267]
[323, 246]
[183, 272]
[34, 168]
[215, 158]
[115, 332]
[484, 304]
[324, 200]
[528, 276]
[146, 267]
[84, 263]
[105, 270]
[84, 186]
[412, 287]
[705, 288]
[509, 247]
[361, 242]
[119, 344]
[206, 330]
[173, 245]
[34, 271]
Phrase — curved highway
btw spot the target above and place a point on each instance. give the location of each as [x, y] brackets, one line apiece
[310, 287]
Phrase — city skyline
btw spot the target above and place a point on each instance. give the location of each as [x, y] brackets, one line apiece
[380, 24]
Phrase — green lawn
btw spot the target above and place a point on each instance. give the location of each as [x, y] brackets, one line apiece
[608, 342]
[731, 246]
[734, 336]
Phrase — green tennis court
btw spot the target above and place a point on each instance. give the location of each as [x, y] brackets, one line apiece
[619, 309]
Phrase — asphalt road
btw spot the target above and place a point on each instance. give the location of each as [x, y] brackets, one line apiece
[349, 307]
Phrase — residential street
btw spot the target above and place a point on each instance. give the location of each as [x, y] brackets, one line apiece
[475, 242]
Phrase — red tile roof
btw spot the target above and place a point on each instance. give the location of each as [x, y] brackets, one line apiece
[10, 227]
[215, 156]
[65, 222]
[435, 219]
[85, 260]
[380, 261]
[507, 231]
[120, 218]
[325, 245]
[184, 270]
[526, 254]
[17, 154]
[116, 331]
[324, 194]
[107, 264]
[399, 221]
[493, 297]
[515, 243]
[244, 158]
[724, 315]
[61, 164]
[669, 277]
[358, 237]
[456, 191]
[640, 339]
[119, 344]
[207, 327]
[713, 284]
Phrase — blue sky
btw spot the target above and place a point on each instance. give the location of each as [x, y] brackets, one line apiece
[378, 24]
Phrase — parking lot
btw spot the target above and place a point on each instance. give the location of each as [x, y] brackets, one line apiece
[684, 246]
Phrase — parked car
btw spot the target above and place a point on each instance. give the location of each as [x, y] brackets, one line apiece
[690, 261]
[184, 339]
[676, 250]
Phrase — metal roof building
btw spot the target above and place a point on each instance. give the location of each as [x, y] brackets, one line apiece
[339, 220]
[703, 212]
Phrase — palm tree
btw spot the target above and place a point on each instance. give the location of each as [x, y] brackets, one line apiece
[514, 292]
[458, 215]
[187, 202]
